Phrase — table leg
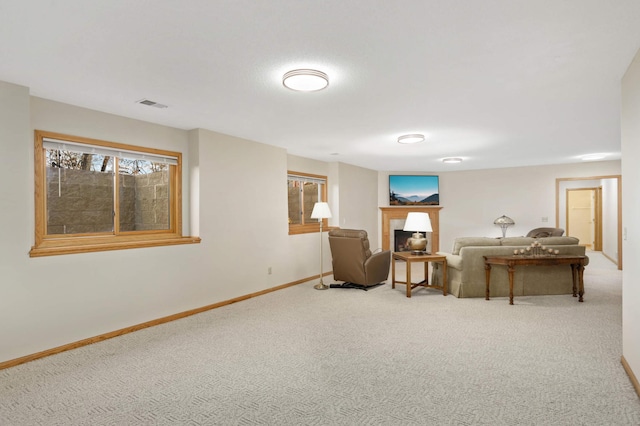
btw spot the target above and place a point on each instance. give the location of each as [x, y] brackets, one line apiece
[511, 271]
[574, 277]
[426, 273]
[408, 279]
[393, 273]
[581, 281]
[487, 274]
[444, 277]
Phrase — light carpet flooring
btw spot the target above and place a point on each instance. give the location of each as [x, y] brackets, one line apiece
[348, 357]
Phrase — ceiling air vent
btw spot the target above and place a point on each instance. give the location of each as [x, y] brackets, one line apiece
[151, 103]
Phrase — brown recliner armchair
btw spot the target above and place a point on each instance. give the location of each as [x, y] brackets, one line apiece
[545, 232]
[353, 261]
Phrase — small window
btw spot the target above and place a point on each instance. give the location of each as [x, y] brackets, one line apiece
[304, 191]
[95, 195]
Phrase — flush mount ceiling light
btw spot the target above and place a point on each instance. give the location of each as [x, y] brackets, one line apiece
[305, 80]
[414, 138]
[452, 160]
[593, 157]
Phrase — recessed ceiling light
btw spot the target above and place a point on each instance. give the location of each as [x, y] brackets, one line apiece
[452, 160]
[592, 157]
[414, 138]
[305, 80]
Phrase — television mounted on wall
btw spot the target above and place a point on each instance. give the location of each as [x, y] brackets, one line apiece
[414, 190]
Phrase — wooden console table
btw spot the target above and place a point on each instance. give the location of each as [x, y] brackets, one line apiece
[408, 258]
[576, 262]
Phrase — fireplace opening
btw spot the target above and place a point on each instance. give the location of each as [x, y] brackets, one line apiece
[400, 238]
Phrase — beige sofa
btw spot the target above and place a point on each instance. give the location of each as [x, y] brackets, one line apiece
[466, 271]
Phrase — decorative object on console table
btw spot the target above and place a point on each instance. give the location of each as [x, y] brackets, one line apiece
[536, 250]
[417, 222]
[321, 211]
[504, 222]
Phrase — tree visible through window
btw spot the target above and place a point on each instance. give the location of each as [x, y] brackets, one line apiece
[87, 188]
[304, 190]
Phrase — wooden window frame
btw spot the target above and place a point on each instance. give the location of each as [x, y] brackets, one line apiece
[307, 228]
[56, 244]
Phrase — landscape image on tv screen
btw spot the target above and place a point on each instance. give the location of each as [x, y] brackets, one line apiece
[413, 190]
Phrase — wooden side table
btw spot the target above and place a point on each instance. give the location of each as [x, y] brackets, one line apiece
[408, 258]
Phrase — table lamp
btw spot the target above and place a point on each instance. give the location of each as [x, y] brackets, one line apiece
[504, 222]
[417, 222]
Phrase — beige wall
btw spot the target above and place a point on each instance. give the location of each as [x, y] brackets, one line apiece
[358, 201]
[631, 211]
[610, 216]
[234, 198]
[51, 301]
[472, 200]
[307, 165]
[20, 301]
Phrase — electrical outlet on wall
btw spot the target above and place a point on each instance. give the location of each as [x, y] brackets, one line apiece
[269, 270]
[545, 219]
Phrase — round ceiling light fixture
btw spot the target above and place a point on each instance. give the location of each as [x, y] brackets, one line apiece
[452, 160]
[305, 80]
[413, 138]
[593, 157]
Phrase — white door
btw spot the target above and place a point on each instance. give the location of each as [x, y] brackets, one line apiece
[580, 215]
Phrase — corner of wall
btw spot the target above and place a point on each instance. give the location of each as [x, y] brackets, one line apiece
[194, 181]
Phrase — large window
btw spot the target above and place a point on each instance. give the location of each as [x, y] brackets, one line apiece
[94, 195]
[304, 191]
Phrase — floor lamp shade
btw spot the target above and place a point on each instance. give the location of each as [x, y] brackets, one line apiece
[321, 211]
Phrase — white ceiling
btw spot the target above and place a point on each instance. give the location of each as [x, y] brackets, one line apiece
[499, 83]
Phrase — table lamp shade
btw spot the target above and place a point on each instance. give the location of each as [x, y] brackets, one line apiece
[417, 222]
[504, 220]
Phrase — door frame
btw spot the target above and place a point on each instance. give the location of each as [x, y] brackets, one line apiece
[619, 206]
[598, 219]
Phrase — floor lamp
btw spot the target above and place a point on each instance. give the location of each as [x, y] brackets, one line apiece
[321, 211]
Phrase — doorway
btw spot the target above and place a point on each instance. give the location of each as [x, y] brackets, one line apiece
[606, 237]
[584, 216]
